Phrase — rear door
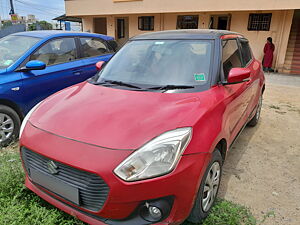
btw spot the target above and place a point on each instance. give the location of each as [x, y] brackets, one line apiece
[63, 69]
[93, 50]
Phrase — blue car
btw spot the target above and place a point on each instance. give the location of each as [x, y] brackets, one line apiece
[34, 65]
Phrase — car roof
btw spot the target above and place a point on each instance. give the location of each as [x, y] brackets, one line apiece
[185, 34]
[58, 33]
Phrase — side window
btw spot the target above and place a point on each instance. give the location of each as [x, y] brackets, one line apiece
[57, 51]
[93, 47]
[231, 56]
[246, 52]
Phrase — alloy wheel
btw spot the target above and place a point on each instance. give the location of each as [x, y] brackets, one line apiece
[6, 127]
[211, 186]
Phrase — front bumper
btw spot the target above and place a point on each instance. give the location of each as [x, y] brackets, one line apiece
[124, 197]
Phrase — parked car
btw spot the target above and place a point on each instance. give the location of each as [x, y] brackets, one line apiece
[144, 140]
[34, 65]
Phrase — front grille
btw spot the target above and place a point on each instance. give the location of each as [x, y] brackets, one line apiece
[93, 191]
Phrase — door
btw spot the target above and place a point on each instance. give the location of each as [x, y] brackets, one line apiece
[237, 95]
[122, 30]
[220, 22]
[93, 50]
[254, 66]
[63, 69]
[100, 25]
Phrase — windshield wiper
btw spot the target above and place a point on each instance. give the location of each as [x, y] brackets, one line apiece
[120, 83]
[171, 87]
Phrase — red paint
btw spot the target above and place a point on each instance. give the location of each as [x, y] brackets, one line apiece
[238, 75]
[99, 65]
[82, 126]
[231, 36]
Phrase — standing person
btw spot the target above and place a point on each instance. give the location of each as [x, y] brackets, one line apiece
[268, 55]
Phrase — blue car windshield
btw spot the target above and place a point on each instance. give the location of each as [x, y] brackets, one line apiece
[12, 47]
[161, 63]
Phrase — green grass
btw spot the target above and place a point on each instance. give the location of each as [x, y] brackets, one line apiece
[18, 205]
[228, 213]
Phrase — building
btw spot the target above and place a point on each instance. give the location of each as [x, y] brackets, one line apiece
[31, 19]
[256, 19]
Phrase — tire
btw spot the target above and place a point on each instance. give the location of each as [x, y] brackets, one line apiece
[9, 125]
[201, 210]
[256, 117]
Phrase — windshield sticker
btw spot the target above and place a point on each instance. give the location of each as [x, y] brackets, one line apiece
[159, 43]
[8, 62]
[199, 77]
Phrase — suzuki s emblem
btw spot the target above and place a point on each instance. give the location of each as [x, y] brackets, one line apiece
[52, 167]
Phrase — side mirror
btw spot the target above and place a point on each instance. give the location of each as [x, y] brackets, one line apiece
[238, 75]
[33, 65]
[99, 65]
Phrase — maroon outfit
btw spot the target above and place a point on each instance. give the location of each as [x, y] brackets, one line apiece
[268, 57]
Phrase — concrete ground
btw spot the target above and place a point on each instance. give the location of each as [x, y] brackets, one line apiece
[262, 169]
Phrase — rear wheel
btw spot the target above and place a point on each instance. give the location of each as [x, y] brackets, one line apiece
[256, 117]
[9, 125]
[208, 189]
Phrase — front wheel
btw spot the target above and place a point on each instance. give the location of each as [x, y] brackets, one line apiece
[9, 125]
[208, 189]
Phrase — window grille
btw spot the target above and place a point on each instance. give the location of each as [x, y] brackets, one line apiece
[259, 21]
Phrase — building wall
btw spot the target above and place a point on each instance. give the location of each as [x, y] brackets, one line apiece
[110, 7]
[279, 29]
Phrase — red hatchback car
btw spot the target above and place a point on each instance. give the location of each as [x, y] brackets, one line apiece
[143, 142]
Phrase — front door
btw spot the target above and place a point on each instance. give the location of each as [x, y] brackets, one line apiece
[238, 96]
[62, 70]
[122, 30]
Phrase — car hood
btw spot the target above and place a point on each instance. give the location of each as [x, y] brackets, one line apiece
[113, 118]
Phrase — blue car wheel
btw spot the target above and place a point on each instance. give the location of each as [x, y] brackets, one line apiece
[9, 125]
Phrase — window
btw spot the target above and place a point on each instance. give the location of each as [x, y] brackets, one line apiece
[165, 64]
[187, 22]
[259, 21]
[12, 47]
[246, 51]
[93, 47]
[231, 56]
[57, 51]
[121, 28]
[146, 23]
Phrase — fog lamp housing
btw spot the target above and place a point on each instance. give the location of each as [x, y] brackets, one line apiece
[156, 210]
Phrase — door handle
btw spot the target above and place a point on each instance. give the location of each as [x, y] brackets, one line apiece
[77, 73]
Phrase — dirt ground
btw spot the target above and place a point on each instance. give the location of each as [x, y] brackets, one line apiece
[262, 170]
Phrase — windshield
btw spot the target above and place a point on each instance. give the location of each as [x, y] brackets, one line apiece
[182, 63]
[13, 47]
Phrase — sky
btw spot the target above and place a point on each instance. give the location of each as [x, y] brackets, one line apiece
[42, 9]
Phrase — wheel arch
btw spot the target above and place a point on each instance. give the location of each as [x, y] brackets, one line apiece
[12, 105]
[222, 147]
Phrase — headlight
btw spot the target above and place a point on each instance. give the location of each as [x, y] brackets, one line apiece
[157, 157]
[25, 120]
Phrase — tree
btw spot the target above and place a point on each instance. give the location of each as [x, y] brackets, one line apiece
[44, 25]
[41, 25]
